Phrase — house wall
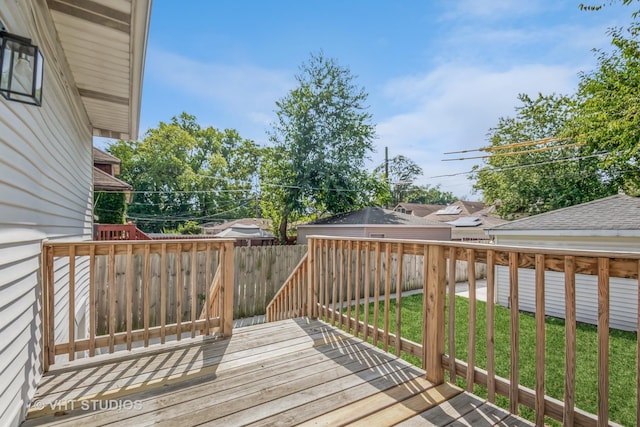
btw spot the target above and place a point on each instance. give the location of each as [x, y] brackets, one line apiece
[382, 231]
[469, 233]
[623, 292]
[45, 193]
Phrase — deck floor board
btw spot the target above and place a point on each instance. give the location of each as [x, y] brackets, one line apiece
[278, 374]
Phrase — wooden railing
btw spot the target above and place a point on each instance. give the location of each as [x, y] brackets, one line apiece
[119, 232]
[291, 298]
[344, 288]
[70, 294]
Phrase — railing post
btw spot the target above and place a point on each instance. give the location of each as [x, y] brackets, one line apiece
[312, 296]
[48, 337]
[434, 293]
[227, 289]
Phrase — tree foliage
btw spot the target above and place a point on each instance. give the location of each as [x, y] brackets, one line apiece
[110, 208]
[402, 172]
[430, 195]
[183, 172]
[320, 140]
[609, 107]
[539, 179]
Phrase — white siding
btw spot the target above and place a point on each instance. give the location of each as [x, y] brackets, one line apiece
[623, 292]
[45, 193]
[323, 230]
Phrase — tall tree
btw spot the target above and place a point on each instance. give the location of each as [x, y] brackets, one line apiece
[527, 179]
[320, 140]
[183, 172]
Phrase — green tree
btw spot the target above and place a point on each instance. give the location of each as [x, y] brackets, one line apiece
[320, 140]
[427, 194]
[181, 171]
[536, 178]
[402, 174]
[110, 208]
[189, 227]
[609, 107]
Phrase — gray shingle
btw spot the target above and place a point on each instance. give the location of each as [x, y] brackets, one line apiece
[373, 215]
[618, 212]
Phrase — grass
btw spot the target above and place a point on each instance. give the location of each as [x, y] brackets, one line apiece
[622, 353]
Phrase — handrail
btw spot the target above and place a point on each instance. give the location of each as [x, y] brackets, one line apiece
[214, 294]
[119, 232]
[290, 300]
[168, 299]
[344, 274]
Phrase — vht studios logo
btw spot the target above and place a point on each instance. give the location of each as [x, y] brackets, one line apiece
[89, 405]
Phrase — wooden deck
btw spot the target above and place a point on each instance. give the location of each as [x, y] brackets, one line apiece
[290, 372]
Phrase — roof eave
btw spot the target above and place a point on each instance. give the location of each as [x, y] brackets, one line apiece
[112, 105]
[569, 233]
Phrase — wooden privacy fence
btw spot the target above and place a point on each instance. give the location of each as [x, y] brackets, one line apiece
[128, 286]
[259, 271]
[336, 271]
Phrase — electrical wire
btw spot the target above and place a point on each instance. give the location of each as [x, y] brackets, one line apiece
[564, 159]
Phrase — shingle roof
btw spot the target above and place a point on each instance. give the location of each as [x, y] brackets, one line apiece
[466, 209]
[418, 209]
[101, 157]
[245, 231]
[263, 223]
[618, 212]
[372, 215]
[102, 181]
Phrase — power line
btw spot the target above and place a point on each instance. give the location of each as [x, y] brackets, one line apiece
[517, 153]
[564, 159]
[512, 145]
[187, 217]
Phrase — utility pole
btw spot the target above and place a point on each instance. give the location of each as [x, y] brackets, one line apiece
[257, 205]
[386, 170]
[386, 163]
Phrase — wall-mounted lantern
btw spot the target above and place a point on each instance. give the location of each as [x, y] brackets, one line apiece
[22, 66]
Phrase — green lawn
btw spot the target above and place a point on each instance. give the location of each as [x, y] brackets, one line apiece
[622, 368]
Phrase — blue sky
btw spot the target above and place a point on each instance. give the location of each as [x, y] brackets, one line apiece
[439, 73]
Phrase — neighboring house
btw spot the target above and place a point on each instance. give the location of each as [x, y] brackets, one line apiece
[215, 228]
[244, 234]
[248, 235]
[93, 64]
[375, 223]
[608, 224]
[105, 169]
[469, 220]
[417, 209]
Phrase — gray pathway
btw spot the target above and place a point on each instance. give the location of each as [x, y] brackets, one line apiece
[462, 289]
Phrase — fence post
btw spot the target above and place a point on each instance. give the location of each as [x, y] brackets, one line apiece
[434, 293]
[227, 288]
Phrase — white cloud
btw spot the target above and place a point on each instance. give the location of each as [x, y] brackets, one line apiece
[453, 107]
[242, 90]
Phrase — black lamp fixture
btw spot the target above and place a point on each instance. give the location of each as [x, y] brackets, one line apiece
[21, 65]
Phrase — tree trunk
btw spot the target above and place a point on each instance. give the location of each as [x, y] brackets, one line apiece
[283, 227]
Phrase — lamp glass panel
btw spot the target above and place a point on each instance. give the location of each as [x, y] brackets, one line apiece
[22, 67]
